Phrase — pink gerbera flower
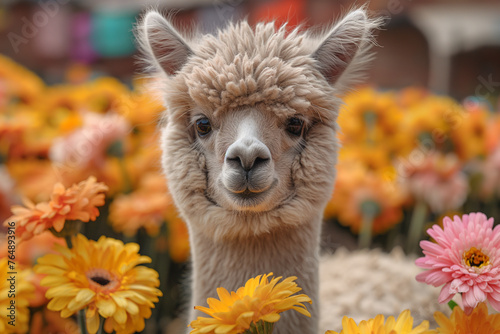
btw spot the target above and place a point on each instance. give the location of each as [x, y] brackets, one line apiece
[465, 258]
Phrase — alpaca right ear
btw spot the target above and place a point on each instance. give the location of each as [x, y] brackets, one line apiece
[344, 53]
[164, 44]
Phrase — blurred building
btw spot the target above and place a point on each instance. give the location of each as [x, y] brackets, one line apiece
[449, 46]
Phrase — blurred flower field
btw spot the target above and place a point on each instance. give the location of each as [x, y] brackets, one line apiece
[409, 158]
[83, 157]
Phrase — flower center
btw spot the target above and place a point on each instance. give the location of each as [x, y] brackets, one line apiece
[475, 258]
[102, 280]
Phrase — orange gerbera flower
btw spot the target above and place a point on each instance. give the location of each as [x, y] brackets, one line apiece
[359, 188]
[478, 322]
[146, 207]
[79, 202]
[402, 325]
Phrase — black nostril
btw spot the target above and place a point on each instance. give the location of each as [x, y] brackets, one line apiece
[260, 161]
[235, 162]
[238, 163]
[246, 157]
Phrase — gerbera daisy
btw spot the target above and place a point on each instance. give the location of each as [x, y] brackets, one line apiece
[14, 318]
[104, 277]
[437, 180]
[478, 322]
[369, 115]
[146, 207]
[88, 145]
[139, 209]
[465, 258]
[77, 203]
[356, 186]
[260, 300]
[402, 325]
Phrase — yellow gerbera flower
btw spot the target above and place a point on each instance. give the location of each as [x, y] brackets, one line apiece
[104, 277]
[15, 292]
[402, 325]
[259, 300]
[478, 322]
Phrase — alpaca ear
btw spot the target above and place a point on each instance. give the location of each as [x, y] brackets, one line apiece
[163, 43]
[346, 40]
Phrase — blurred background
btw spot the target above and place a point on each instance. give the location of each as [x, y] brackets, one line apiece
[442, 45]
[421, 136]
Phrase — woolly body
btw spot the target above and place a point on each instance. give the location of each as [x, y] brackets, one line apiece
[260, 77]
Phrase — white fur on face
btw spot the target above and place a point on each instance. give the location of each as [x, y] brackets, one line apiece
[249, 161]
[270, 74]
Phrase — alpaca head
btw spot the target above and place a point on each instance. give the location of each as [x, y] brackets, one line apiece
[249, 136]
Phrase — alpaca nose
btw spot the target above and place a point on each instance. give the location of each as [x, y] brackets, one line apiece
[247, 153]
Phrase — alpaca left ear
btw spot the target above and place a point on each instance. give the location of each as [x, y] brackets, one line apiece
[163, 44]
[346, 40]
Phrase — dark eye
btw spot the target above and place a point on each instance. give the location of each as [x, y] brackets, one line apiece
[203, 127]
[295, 126]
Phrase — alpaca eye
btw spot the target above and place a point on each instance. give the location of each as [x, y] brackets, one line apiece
[203, 127]
[295, 126]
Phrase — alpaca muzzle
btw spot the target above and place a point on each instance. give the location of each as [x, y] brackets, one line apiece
[248, 167]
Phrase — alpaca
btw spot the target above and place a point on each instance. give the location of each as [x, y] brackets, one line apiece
[249, 145]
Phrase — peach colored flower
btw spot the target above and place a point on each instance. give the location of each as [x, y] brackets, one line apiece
[79, 202]
[437, 180]
[489, 168]
[88, 145]
[465, 258]
[147, 207]
[139, 209]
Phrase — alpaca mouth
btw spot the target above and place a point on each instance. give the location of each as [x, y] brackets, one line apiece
[248, 199]
[247, 195]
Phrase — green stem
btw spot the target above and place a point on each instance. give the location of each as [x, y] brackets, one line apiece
[68, 241]
[369, 210]
[261, 327]
[365, 235]
[116, 149]
[416, 226]
[127, 188]
[101, 325]
[81, 322]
